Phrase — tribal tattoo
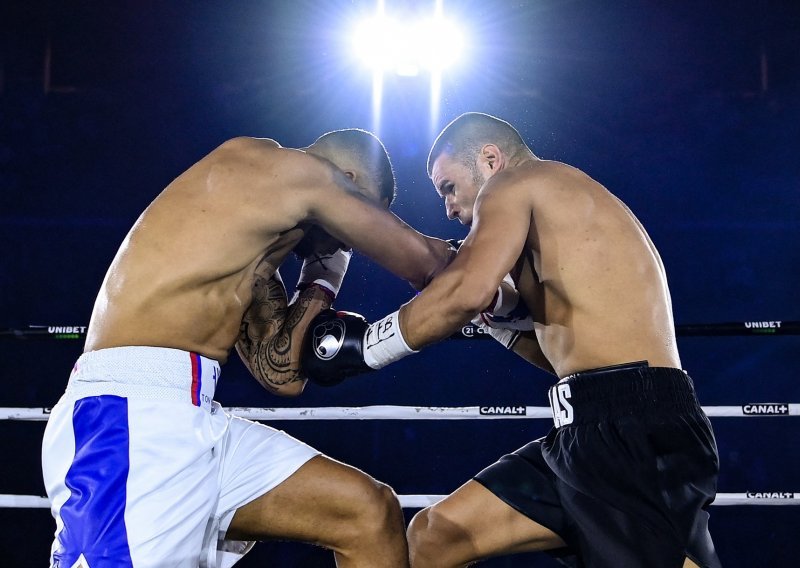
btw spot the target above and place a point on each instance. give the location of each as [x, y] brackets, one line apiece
[271, 334]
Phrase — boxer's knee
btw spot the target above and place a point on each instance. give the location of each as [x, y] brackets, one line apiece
[434, 540]
[382, 511]
[375, 516]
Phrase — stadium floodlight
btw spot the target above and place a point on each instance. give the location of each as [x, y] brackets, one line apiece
[389, 44]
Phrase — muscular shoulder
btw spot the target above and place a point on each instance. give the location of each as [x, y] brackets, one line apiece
[244, 150]
[547, 184]
[284, 181]
[263, 161]
[536, 174]
[248, 143]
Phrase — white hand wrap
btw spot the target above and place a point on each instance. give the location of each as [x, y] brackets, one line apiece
[384, 343]
[506, 299]
[326, 270]
[507, 311]
[506, 337]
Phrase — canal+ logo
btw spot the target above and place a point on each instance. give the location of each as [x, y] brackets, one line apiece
[503, 410]
[766, 409]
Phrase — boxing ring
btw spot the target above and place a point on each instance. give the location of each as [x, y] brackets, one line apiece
[754, 496]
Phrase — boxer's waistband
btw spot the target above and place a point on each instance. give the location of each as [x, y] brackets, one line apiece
[152, 373]
[630, 388]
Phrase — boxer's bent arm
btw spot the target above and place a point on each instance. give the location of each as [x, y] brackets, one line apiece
[385, 238]
[379, 234]
[281, 190]
[527, 346]
[271, 336]
[292, 187]
[500, 228]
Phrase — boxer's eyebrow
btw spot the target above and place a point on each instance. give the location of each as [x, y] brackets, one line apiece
[440, 189]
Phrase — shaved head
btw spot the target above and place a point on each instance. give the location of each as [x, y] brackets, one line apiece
[357, 149]
[463, 138]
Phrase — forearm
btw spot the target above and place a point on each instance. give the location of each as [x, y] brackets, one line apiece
[438, 255]
[272, 337]
[527, 346]
[439, 311]
[381, 236]
[407, 254]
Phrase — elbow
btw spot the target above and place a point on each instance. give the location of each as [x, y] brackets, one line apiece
[440, 254]
[468, 298]
[474, 301]
[291, 389]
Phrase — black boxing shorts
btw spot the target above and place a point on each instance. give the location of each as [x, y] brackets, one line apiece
[626, 475]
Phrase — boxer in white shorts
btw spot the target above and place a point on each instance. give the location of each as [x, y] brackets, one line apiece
[142, 467]
[155, 500]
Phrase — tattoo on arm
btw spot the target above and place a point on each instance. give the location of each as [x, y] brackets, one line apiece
[271, 334]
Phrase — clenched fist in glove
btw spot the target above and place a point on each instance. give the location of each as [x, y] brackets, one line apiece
[341, 344]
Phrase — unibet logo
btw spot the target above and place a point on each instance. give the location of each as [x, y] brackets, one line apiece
[66, 329]
[762, 324]
[765, 327]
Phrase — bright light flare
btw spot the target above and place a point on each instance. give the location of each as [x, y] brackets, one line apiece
[387, 44]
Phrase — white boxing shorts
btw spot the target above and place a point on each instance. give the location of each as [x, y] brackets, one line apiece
[143, 469]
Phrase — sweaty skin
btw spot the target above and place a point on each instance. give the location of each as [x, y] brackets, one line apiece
[583, 264]
[199, 272]
[594, 284]
[186, 274]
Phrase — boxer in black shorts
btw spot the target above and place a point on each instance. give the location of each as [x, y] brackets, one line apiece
[626, 474]
[625, 477]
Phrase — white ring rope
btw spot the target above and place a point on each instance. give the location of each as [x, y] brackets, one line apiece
[420, 501]
[389, 412]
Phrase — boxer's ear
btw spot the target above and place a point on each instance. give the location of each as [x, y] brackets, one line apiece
[491, 159]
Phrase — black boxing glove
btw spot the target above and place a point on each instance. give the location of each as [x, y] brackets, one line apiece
[333, 347]
[341, 344]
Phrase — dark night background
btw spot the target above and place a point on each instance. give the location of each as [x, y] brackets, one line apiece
[688, 111]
